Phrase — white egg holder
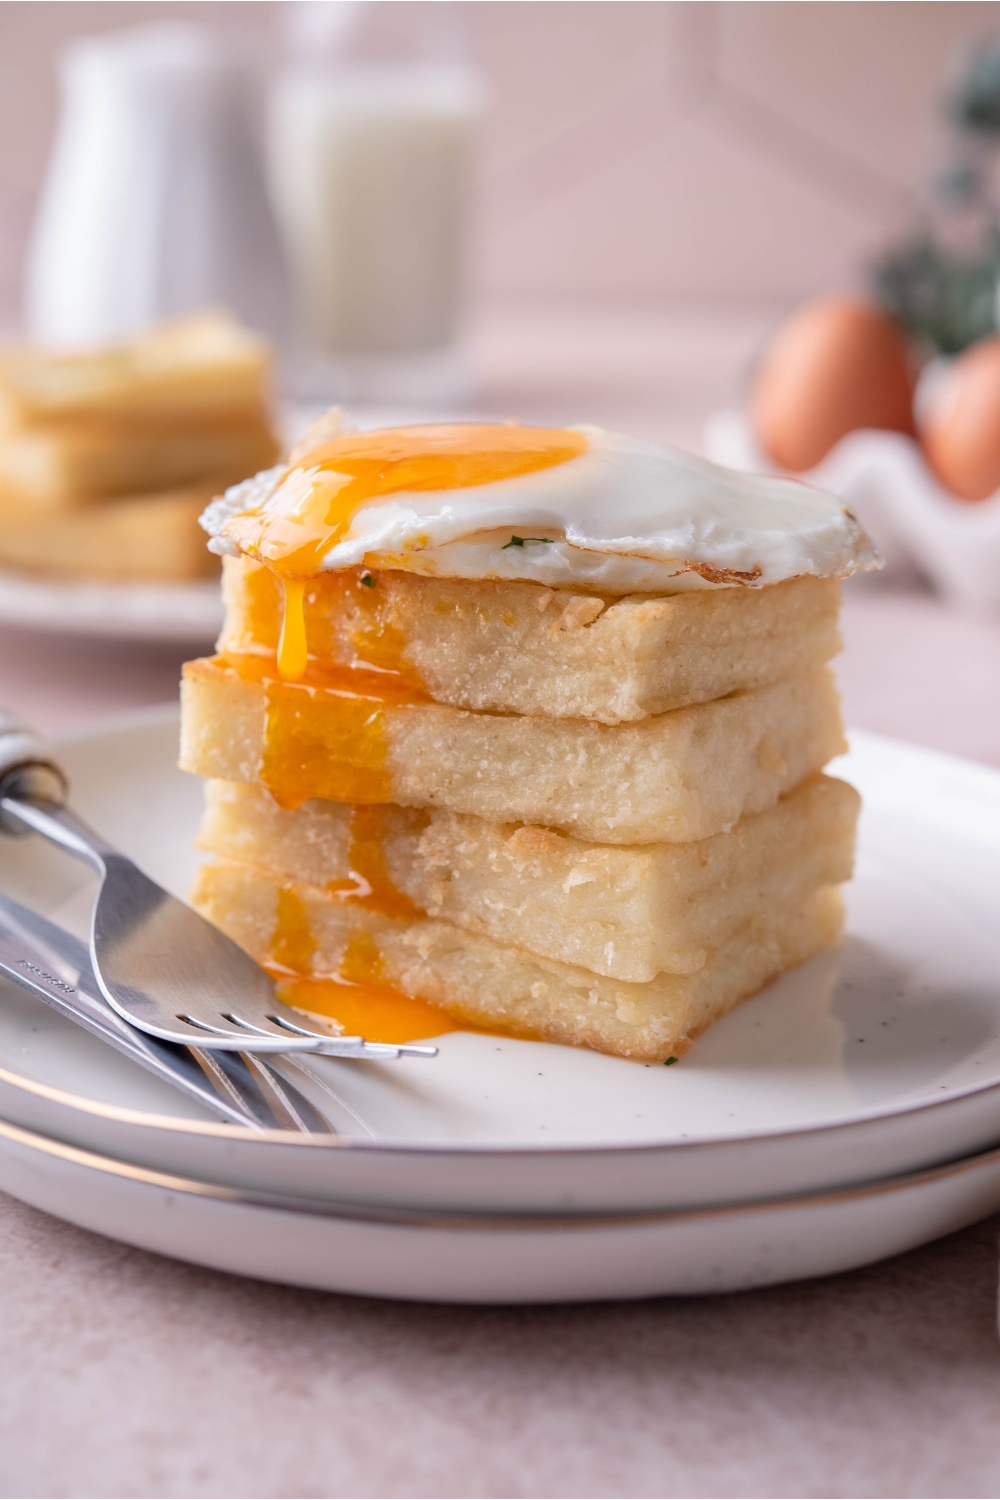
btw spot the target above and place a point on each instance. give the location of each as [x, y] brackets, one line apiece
[917, 526]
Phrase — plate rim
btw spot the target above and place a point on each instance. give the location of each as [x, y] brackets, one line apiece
[202, 595]
[158, 715]
[451, 1219]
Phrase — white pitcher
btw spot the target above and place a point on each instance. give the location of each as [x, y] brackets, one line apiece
[155, 201]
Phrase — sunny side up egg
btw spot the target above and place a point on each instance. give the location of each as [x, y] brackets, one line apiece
[565, 507]
[314, 505]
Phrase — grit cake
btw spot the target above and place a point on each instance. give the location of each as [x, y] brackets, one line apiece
[628, 912]
[525, 727]
[107, 458]
[512, 647]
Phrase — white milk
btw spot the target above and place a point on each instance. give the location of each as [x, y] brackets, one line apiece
[371, 169]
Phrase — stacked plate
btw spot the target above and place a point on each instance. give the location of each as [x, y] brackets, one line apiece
[847, 1113]
[184, 614]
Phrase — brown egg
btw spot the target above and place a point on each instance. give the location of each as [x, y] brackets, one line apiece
[837, 364]
[960, 432]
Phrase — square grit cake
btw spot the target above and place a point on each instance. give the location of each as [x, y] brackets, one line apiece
[486, 984]
[510, 646]
[676, 776]
[628, 912]
[488, 752]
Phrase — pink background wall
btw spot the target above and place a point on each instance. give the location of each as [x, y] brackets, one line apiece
[704, 152]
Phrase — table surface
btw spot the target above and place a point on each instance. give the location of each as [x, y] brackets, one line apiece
[122, 1373]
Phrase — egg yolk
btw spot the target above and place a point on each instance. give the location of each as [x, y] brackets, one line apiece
[373, 1011]
[325, 735]
[358, 997]
[314, 505]
[370, 884]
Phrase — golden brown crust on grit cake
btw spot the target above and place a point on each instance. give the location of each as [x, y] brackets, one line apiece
[518, 647]
[678, 777]
[626, 912]
[484, 984]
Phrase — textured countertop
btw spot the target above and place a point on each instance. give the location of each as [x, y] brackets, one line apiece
[125, 1374]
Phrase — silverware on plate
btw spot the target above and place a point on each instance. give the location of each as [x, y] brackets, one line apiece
[160, 965]
[55, 967]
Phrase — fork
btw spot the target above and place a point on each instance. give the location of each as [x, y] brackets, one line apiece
[55, 967]
[160, 965]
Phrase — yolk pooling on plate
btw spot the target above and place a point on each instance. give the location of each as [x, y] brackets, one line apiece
[375, 1012]
[315, 503]
[358, 998]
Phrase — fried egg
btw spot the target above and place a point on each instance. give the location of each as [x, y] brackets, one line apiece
[575, 506]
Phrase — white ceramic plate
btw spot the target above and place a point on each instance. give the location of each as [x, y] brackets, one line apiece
[442, 1258]
[879, 1057]
[183, 613]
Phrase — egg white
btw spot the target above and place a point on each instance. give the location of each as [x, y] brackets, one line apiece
[624, 516]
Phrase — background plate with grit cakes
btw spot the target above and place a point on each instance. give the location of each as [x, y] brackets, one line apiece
[878, 1059]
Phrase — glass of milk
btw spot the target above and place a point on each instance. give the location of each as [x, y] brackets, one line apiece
[371, 153]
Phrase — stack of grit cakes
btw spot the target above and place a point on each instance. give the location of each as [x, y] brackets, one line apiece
[527, 724]
[107, 459]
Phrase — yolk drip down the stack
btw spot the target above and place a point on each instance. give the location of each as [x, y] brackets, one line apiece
[523, 729]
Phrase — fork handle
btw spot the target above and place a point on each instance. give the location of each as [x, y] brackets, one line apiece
[26, 772]
[33, 795]
[55, 822]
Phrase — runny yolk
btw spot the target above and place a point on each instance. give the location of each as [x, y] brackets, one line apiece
[292, 945]
[350, 616]
[293, 652]
[371, 885]
[313, 507]
[358, 997]
[373, 1011]
[325, 736]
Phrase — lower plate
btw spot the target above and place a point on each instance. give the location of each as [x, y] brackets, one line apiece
[440, 1258]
